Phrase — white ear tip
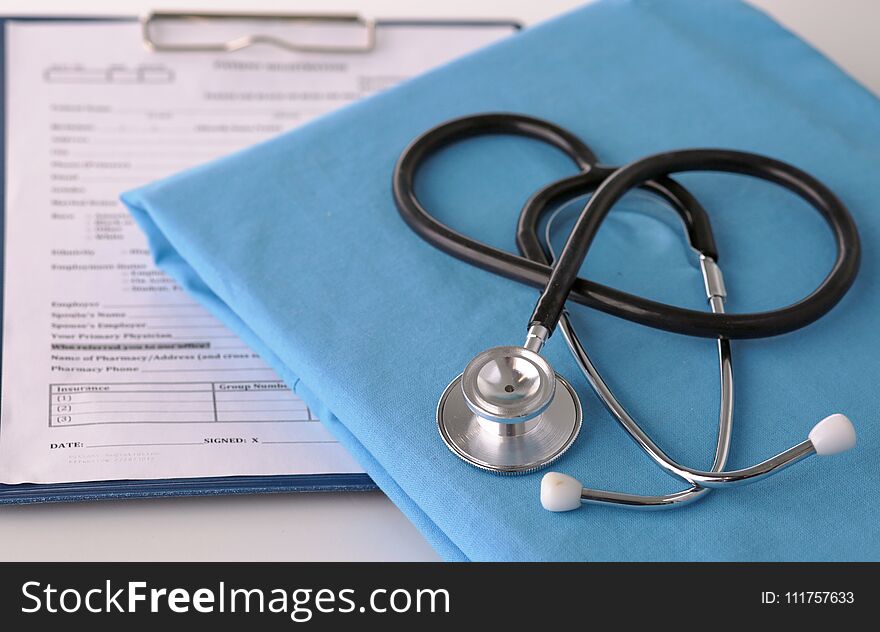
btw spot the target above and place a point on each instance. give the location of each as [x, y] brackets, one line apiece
[560, 492]
[833, 435]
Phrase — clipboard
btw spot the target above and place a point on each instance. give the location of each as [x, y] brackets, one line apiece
[365, 33]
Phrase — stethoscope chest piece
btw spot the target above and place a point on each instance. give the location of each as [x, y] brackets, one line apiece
[509, 412]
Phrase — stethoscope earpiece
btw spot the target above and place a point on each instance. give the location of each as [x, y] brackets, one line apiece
[560, 492]
[833, 435]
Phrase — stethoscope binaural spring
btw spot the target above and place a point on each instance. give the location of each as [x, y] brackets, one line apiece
[509, 412]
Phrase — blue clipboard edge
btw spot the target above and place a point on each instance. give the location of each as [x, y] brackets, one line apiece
[33, 493]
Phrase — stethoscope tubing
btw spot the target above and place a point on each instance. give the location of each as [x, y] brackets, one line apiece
[692, 214]
[561, 282]
[843, 272]
[700, 480]
[722, 448]
[726, 399]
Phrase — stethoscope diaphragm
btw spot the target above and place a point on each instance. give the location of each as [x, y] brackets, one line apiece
[509, 412]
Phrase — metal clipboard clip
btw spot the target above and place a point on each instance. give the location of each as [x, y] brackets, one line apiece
[287, 41]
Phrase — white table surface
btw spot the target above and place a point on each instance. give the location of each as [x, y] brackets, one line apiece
[319, 526]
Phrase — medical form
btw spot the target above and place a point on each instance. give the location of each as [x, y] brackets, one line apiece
[110, 370]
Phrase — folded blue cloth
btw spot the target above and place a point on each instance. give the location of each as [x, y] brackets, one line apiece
[296, 244]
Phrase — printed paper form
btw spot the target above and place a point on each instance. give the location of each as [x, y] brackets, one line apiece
[109, 369]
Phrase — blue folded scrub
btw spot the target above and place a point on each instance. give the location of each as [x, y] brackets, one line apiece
[297, 246]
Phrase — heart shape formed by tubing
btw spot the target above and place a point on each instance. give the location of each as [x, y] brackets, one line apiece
[561, 282]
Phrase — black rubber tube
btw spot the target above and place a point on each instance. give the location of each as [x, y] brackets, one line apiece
[691, 212]
[561, 284]
[823, 298]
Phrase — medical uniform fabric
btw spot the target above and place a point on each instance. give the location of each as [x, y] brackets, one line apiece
[296, 244]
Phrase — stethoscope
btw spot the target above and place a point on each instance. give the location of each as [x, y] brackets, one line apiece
[509, 412]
